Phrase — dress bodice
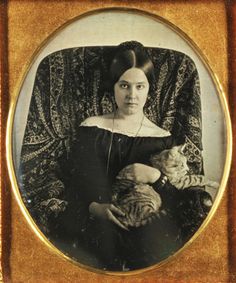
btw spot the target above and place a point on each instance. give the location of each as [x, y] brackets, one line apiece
[99, 155]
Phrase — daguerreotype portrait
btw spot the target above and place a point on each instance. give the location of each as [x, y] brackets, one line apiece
[119, 141]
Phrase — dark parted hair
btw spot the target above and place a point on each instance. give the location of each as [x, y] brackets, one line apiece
[131, 54]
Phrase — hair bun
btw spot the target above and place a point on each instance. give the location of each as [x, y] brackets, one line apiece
[131, 45]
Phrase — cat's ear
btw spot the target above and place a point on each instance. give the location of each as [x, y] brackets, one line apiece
[181, 148]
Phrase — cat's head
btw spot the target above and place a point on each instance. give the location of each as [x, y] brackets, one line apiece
[172, 162]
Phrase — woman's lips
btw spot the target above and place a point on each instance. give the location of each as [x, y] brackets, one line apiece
[131, 104]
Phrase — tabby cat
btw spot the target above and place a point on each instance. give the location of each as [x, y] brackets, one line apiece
[140, 202]
[173, 163]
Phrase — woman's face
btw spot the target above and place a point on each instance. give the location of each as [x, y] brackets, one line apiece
[131, 91]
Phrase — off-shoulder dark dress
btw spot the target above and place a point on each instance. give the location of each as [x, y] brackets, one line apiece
[102, 244]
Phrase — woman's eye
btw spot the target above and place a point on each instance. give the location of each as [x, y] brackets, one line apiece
[139, 87]
[124, 86]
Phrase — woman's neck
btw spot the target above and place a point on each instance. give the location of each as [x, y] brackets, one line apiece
[131, 124]
[131, 118]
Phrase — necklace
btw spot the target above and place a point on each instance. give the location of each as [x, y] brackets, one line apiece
[112, 134]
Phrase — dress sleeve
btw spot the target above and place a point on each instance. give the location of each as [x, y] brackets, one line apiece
[85, 180]
[73, 174]
[171, 141]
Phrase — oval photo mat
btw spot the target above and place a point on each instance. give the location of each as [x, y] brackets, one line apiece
[38, 139]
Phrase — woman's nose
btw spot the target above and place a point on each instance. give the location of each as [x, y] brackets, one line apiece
[132, 91]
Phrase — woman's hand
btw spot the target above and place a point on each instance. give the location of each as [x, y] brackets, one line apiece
[140, 173]
[106, 211]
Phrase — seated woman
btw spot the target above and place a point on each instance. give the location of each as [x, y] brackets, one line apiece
[119, 144]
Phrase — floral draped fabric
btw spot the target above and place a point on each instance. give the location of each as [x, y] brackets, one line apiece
[71, 85]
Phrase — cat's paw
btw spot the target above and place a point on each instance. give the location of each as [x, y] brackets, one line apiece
[213, 184]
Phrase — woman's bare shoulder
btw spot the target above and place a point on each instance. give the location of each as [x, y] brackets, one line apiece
[99, 121]
[153, 130]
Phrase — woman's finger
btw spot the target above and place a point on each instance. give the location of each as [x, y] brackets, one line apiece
[127, 169]
[112, 218]
[125, 176]
[117, 210]
[129, 175]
